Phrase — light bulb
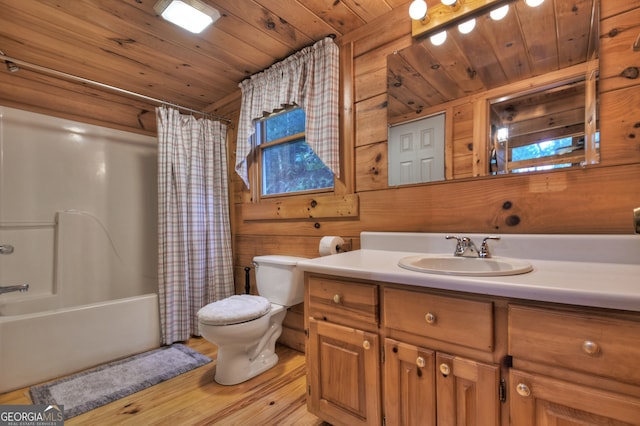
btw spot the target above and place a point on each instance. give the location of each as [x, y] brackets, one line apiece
[534, 3]
[439, 38]
[467, 27]
[448, 2]
[418, 10]
[499, 13]
[503, 134]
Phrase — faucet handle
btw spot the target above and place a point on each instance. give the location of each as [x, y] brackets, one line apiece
[460, 247]
[484, 248]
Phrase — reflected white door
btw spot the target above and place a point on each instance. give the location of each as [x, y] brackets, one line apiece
[416, 151]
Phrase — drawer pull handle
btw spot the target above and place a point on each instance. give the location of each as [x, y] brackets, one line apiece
[336, 299]
[420, 362]
[590, 347]
[523, 390]
[445, 369]
[430, 318]
[366, 345]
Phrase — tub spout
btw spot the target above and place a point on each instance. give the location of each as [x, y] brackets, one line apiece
[10, 288]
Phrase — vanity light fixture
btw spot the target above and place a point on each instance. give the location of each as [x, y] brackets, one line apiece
[418, 10]
[534, 3]
[434, 19]
[192, 15]
[499, 13]
[467, 26]
[439, 38]
[453, 4]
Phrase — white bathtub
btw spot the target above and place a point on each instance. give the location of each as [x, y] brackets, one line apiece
[40, 346]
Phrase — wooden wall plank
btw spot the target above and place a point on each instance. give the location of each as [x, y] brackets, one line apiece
[306, 207]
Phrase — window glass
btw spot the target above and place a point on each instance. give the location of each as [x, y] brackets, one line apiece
[284, 124]
[288, 164]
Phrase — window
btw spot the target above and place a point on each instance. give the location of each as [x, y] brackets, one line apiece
[286, 162]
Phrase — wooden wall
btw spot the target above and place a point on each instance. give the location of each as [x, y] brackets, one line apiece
[596, 199]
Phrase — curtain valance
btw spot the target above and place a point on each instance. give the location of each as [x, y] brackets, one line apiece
[309, 79]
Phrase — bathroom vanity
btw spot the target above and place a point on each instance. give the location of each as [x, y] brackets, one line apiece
[387, 345]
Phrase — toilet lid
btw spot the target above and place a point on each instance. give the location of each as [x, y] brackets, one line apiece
[234, 310]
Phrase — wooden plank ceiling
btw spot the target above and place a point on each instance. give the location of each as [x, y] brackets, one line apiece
[124, 43]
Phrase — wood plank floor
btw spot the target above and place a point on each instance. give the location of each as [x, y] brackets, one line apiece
[277, 396]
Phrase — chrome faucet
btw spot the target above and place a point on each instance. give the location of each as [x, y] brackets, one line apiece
[466, 248]
[10, 288]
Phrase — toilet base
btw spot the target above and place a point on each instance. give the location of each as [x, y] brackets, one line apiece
[238, 363]
[241, 369]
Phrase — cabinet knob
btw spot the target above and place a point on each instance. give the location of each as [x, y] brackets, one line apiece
[445, 369]
[590, 347]
[523, 390]
[420, 362]
[366, 345]
[336, 298]
[430, 318]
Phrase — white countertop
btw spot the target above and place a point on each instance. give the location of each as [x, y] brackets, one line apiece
[612, 283]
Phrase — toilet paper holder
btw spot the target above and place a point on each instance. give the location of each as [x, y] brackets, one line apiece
[344, 247]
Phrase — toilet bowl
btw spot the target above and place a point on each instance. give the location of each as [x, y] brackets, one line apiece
[246, 327]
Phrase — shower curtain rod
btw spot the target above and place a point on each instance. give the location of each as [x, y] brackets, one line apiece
[12, 67]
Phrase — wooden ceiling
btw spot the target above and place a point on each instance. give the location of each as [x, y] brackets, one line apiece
[124, 43]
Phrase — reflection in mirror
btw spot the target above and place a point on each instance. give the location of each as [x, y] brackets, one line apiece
[526, 43]
[542, 130]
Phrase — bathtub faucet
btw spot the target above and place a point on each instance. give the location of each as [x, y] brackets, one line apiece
[10, 288]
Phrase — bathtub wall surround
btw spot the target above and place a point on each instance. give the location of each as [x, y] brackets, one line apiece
[78, 206]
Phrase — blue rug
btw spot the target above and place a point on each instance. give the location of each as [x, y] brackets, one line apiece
[93, 388]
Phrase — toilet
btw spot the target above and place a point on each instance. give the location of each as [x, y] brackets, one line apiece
[245, 327]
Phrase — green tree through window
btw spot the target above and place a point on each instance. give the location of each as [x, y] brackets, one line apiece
[288, 164]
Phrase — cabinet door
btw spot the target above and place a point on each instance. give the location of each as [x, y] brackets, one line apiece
[467, 392]
[539, 401]
[343, 367]
[409, 385]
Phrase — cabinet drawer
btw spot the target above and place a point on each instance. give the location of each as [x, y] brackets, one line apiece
[343, 302]
[459, 321]
[592, 343]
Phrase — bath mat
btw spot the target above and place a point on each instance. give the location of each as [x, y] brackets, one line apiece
[93, 388]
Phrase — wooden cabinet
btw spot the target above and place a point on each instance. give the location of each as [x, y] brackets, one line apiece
[573, 368]
[423, 387]
[380, 353]
[540, 400]
[454, 389]
[409, 384]
[343, 351]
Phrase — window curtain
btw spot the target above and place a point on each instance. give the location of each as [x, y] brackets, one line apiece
[309, 79]
[195, 263]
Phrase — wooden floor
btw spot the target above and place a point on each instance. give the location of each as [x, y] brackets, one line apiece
[277, 396]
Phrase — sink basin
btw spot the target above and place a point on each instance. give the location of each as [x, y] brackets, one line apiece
[469, 266]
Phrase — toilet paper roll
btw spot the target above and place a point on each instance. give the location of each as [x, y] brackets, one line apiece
[329, 245]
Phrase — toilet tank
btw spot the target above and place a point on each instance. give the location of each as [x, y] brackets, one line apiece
[279, 280]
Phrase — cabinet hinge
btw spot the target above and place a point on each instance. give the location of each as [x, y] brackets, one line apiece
[384, 421]
[306, 332]
[502, 391]
[309, 390]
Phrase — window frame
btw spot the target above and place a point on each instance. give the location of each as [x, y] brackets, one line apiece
[258, 147]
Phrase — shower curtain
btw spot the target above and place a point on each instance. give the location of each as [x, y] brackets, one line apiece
[195, 263]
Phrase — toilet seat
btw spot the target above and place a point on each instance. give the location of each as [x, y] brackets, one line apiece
[234, 310]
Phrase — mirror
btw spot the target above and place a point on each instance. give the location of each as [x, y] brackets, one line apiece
[512, 65]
